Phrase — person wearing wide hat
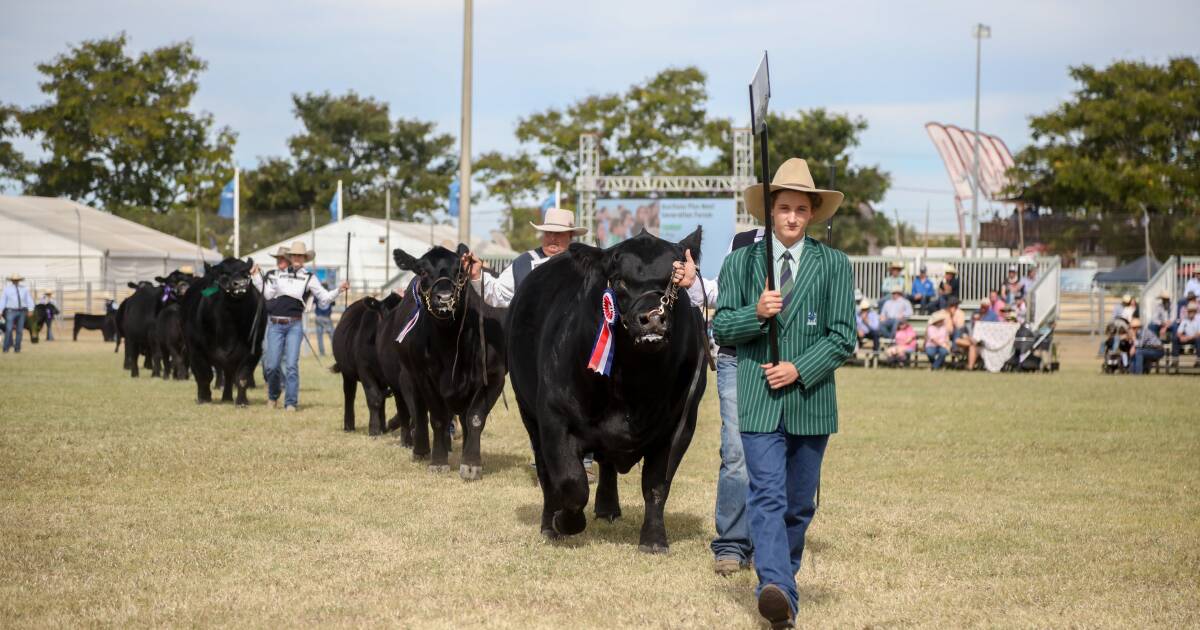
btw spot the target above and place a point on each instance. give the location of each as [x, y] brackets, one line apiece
[788, 410]
[923, 295]
[15, 303]
[286, 289]
[51, 313]
[893, 281]
[948, 287]
[556, 232]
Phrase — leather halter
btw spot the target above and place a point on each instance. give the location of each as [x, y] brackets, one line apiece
[456, 285]
[666, 302]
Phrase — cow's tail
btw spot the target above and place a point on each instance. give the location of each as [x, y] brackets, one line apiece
[335, 368]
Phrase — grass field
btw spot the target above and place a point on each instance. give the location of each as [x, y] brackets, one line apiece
[949, 500]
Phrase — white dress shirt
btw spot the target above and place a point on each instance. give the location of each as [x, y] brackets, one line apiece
[16, 296]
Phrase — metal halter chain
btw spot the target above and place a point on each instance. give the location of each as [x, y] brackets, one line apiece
[666, 303]
[457, 285]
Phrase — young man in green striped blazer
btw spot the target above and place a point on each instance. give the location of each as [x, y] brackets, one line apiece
[786, 411]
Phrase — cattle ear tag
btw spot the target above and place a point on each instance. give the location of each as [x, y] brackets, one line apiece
[600, 360]
[210, 291]
[812, 318]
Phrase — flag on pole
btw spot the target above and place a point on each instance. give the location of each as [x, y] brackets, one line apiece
[333, 208]
[225, 211]
[454, 188]
[546, 205]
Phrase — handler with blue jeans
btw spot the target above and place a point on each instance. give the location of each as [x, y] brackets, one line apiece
[15, 302]
[787, 410]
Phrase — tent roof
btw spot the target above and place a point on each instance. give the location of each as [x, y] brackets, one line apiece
[1129, 273]
[99, 230]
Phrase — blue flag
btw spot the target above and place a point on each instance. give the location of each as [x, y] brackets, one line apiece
[546, 205]
[225, 211]
[454, 187]
[333, 208]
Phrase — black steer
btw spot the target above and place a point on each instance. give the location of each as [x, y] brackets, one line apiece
[170, 343]
[136, 321]
[106, 323]
[224, 320]
[451, 361]
[356, 359]
[644, 410]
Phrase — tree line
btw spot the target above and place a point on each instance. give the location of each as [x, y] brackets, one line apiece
[118, 131]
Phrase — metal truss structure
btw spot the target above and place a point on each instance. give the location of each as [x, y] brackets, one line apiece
[590, 184]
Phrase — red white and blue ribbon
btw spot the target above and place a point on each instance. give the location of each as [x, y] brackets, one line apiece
[415, 289]
[602, 352]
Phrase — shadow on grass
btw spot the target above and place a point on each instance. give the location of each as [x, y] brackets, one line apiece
[681, 526]
[737, 591]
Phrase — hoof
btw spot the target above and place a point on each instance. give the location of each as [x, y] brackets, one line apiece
[242, 404]
[348, 429]
[611, 517]
[550, 535]
[654, 549]
[203, 402]
[470, 473]
[568, 524]
[439, 468]
[419, 457]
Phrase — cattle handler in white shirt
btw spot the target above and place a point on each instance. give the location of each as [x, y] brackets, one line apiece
[286, 289]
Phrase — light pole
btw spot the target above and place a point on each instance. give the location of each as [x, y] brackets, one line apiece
[982, 31]
[464, 160]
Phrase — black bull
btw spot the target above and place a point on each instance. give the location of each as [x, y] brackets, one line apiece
[357, 360]
[224, 319]
[645, 410]
[451, 361]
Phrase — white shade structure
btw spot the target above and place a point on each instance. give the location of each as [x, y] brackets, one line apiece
[58, 240]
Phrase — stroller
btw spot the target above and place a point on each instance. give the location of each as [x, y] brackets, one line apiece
[1030, 350]
[1116, 347]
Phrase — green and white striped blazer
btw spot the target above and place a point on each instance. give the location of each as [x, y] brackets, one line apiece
[816, 334]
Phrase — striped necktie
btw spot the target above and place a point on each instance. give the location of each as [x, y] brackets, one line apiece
[786, 281]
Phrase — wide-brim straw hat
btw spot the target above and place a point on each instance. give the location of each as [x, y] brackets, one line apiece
[1165, 295]
[793, 175]
[1126, 299]
[16, 277]
[865, 304]
[280, 252]
[896, 265]
[938, 317]
[559, 220]
[298, 248]
[188, 269]
[950, 269]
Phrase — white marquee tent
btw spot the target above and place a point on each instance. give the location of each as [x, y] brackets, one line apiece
[51, 240]
[369, 259]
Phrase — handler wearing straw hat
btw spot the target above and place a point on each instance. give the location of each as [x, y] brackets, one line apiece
[786, 410]
[286, 288]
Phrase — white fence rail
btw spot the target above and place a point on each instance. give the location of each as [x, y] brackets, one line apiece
[1165, 279]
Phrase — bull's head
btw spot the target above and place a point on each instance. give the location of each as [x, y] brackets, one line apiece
[232, 275]
[175, 285]
[640, 272]
[441, 277]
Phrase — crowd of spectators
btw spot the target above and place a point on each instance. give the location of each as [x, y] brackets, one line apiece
[1135, 340]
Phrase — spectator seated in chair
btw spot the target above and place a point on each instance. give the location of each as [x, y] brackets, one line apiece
[923, 295]
[892, 282]
[960, 333]
[1188, 332]
[1013, 287]
[1162, 323]
[948, 288]
[867, 324]
[987, 313]
[1115, 346]
[904, 345]
[1145, 346]
[893, 311]
[937, 340]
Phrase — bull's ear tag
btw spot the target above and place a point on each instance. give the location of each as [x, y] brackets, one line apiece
[600, 360]
[812, 318]
[210, 291]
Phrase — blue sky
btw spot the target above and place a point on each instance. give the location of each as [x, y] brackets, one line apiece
[896, 64]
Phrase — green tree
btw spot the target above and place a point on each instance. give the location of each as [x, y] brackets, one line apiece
[13, 167]
[352, 138]
[826, 141]
[1124, 147]
[118, 131]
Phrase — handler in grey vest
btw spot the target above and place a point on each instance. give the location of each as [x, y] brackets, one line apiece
[556, 234]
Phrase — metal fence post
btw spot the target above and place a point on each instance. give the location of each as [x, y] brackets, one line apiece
[89, 296]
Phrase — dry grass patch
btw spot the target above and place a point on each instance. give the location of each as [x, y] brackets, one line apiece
[949, 500]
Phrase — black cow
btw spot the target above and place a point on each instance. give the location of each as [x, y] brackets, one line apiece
[356, 359]
[37, 318]
[135, 322]
[451, 361]
[224, 320]
[170, 344]
[644, 410]
[106, 323]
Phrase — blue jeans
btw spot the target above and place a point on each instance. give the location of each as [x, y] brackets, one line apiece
[937, 355]
[324, 326]
[733, 530]
[1142, 356]
[14, 324]
[887, 328]
[785, 471]
[283, 346]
